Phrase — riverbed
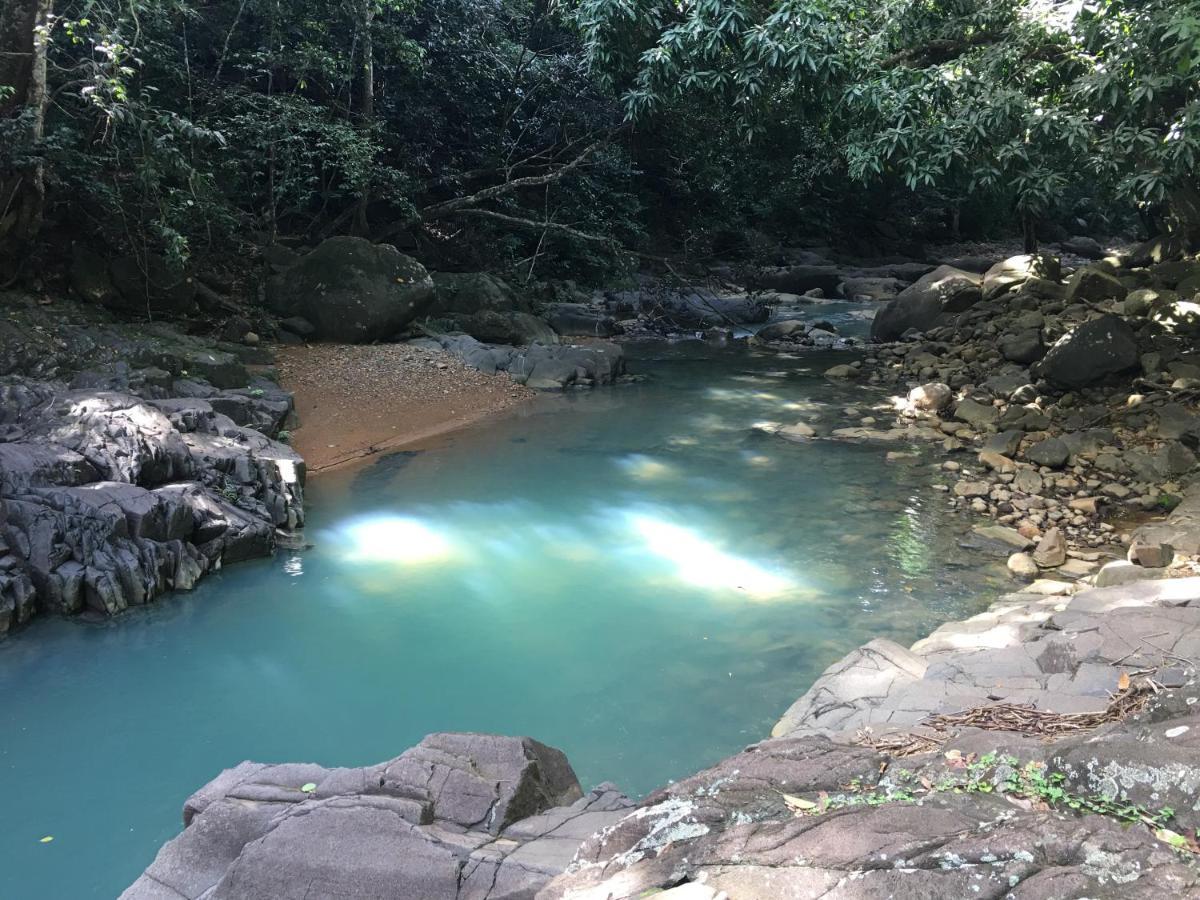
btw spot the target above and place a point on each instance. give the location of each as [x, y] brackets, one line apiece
[644, 576]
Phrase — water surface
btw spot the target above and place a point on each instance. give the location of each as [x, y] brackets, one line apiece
[641, 576]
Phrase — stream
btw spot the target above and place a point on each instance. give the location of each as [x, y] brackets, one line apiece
[642, 576]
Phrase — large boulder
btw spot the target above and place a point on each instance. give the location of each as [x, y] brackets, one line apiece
[458, 816]
[353, 291]
[581, 320]
[1099, 347]
[464, 293]
[800, 279]
[516, 328]
[1013, 272]
[1092, 284]
[922, 305]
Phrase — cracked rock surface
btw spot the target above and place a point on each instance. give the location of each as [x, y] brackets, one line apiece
[459, 816]
[121, 481]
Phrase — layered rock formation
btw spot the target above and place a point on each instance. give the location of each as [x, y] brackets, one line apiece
[120, 480]
[900, 773]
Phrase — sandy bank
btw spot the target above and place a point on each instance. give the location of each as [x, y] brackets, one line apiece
[355, 400]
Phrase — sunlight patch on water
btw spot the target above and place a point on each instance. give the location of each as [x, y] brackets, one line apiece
[645, 468]
[701, 563]
[402, 540]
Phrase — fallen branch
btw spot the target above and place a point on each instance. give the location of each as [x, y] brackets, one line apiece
[1025, 718]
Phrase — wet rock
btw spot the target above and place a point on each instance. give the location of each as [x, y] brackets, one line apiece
[842, 371]
[1097, 348]
[1003, 536]
[801, 431]
[1004, 443]
[352, 290]
[932, 397]
[996, 462]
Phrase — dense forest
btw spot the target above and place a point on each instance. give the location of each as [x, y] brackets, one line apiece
[515, 134]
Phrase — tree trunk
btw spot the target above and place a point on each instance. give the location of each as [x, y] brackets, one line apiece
[366, 109]
[1029, 232]
[24, 41]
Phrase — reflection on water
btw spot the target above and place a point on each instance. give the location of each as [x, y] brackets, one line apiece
[636, 575]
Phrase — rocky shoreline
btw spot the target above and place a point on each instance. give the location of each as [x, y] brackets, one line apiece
[1045, 748]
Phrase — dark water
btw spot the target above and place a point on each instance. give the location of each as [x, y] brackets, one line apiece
[636, 575]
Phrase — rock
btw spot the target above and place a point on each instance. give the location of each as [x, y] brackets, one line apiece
[298, 325]
[1089, 506]
[967, 488]
[996, 461]
[1051, 551]
[922, 305]
[1000, 534]
[1122, 572]
[353, 291]
[1151, 556]
[459, 815]
[464, 293]
[932, 397]
[580, 320]
[1087, 247]
[781, 331]
[1022, 565]
[1005, 443]
[513, 328]
[799, 279]
[1027, 481]
[842, 371]
[1094, 284]
[1010, 274]
[1024, 347]
[1095, 349]
[978, 415]
[1051, 452]
[538, 366]
[801, 431]
[866, 289]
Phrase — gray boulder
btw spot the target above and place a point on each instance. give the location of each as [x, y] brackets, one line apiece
[1099, 347]
[458, 816]
[581, 320]
[517, 328]
[1010, 274]
[462, 293]
[923, 304]
[1094, 284]
[799, 279]
[1023, 347]
[352, 290]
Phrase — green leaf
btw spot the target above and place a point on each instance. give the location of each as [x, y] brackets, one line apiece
[1167, 836]
[309, 788]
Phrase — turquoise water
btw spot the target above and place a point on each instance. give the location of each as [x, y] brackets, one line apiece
[637, 575]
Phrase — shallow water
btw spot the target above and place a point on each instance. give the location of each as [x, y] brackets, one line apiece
[636, 575]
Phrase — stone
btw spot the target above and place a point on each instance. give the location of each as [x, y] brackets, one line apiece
[996, 461]
[978, 415]
[1094, 284]
[801, 431]
[581, 320]
[1051, 452]
[1000, 534]
[920, 306]
[146, 284]
[932, 397]
[1150, 556]
[1027, 481]
[1087, 247]
[842, 371]
[459, 815]
[1005, 443]
[1023, 347]
[970, 489]
[1022, 565]
[1121, 572]
[1051, 550]
[513, 328]
[352, 290]
[1089, 506]
[1095, 349]
[1013, 272]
